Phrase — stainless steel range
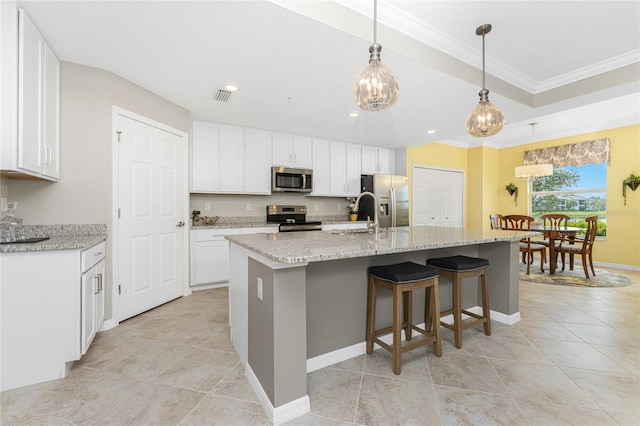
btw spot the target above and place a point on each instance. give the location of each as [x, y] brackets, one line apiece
[291, 218]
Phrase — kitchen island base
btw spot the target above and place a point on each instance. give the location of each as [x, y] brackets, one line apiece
[291, 318]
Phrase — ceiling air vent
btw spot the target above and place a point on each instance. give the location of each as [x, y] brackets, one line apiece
[222, 95]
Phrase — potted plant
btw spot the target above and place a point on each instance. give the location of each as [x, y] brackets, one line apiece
[195, 215]
[351, 208]
[512, 189]
[633, 181]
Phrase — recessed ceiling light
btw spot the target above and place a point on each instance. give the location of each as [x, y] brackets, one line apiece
[353, 114]
[431, 131]
[231, 87]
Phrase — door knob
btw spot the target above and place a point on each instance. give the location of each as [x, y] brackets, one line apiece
[180, 224]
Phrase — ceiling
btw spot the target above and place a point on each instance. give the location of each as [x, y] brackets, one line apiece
[572, 67]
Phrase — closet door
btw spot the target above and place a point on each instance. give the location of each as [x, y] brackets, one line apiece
[438, 197]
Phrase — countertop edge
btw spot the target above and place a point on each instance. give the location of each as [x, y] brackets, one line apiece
[69, 242]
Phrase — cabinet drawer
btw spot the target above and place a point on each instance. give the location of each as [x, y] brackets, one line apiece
[93, 255]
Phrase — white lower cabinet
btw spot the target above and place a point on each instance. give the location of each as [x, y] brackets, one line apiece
[210, 254]
[93, 281]
[43, 325]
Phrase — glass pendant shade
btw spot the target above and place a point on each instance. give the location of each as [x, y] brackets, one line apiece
[377, 88]
[486, 119]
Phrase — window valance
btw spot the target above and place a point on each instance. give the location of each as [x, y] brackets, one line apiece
[573, 154]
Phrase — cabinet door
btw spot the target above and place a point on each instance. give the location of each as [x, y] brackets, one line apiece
[352, 169]
[386, 160]
[257, 161]
[282, 155]
[302, 152]
[30, 69]
[231, 159]
[51, 114]
[211, 261]
[338, 169]
[89, 291]
[99, 306]
[321, 167]
[205, 150]
[369, 160]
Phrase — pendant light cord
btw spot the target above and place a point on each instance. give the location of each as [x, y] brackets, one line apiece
[375, 21]
[484, 85]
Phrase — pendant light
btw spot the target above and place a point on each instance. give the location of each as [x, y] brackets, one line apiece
[377, 88]
[533, 170]
[486, 119]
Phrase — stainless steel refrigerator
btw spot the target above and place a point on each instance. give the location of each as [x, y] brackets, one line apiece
[392, 193]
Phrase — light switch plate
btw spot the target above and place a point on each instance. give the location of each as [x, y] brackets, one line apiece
[259, 288]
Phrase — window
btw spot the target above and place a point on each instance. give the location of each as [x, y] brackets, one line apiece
[577, 191]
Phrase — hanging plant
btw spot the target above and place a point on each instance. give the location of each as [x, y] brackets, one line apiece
[632, 182]
[512, 189]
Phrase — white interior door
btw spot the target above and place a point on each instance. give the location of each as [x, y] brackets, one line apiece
[437, 197]
[151, 231]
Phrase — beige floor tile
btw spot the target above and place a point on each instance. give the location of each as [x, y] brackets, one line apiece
[334, 393]
[392, 401]
[577, 355]
[571, 315]
[614, 393]
[310, 419]
[200, 370]
[629, 359]
[548, 414]
[539, 382]
[355, 364]
[466, 407]
[414, 364]
[536, 329]
[625, 419]
[602, 335]
[220, 410]
[236, 385]
[511, 345]
[469, 344]
[465, 372]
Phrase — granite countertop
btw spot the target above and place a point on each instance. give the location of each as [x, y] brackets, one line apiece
[300, 247]
[61, 237]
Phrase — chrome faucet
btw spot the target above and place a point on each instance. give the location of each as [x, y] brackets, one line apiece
[376, 225]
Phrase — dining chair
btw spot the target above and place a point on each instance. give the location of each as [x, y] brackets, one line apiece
[581, 245]
[527, 247]
[553, 220]
[497, 221]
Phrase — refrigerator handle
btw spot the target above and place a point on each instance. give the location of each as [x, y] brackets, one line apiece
[393, 207]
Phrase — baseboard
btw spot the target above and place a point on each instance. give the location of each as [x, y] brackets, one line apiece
[614, 266]
[334, 357]
[108, 324]
[200, 287]
[283, 413]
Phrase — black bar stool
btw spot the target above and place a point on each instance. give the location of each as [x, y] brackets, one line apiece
[457, 268]
[402, 279]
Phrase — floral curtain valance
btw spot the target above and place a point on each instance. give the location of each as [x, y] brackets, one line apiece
[574, 154]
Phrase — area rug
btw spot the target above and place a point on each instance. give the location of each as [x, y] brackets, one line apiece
[575, 278]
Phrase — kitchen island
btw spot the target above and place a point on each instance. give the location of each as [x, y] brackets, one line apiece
[297, 301]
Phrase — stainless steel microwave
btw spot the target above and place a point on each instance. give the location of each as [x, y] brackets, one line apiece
[287, 179]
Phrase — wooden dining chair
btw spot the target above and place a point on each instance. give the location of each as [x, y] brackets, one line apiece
[553, 220]
[496, 220]
[527, 247]
[581, 245]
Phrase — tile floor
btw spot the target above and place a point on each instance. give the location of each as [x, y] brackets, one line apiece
[574, 359]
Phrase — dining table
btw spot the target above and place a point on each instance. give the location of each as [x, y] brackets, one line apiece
[553, 233]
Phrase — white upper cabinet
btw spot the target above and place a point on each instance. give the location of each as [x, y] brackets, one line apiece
[30, 114]
[229, 159]
[292, 151]
[257, 161]
[321, 167]
[345, 175]
[377, 160]
[205, 154]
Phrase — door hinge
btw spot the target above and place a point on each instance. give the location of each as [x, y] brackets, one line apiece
[118, 213]
[119, 289]
[118, 133]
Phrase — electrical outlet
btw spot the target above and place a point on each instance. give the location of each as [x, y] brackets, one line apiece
[259, 288]
[207, 207]
[248, 207]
